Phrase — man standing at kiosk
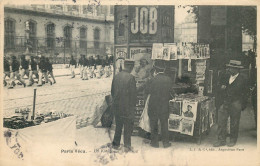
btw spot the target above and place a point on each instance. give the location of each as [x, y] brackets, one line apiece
[123, 93]
[159, 88]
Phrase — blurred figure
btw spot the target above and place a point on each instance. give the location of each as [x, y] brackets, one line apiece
[24, 67]
[80, 64]
[33, 70]
[15, 72]
[6, 70]
[92, 64]
[72, 66]
[85, 68]
[43, 71]
[98, 66]
[50, 70]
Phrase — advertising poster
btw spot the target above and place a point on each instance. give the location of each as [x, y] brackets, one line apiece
[189, 110]
[187, 126]
[175, 107]
[120, 56]
[174, 124]
[157, 52]
[172, 48]
[143, 63]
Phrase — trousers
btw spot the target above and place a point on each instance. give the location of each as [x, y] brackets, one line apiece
[128, 124]
[232, 110]
[154, 128]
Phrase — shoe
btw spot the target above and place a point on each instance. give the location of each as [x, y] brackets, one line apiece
[54, 82]
[39, 85]
[5, 83]
[155, 145]
[167, 145]
[19, 83]
[24, 85]
[219, 143]
[116, 147]
[128, 149]
[50, 83]
[231, 143]
[10, 87]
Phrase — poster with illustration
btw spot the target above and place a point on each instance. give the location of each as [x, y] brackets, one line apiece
[180, 51]
[143, 64]
[121, 55]
[172, 51]
[166, 55]
[174, 124]
[187, 127]
[175, 107]
[157, 51]
[189, 109]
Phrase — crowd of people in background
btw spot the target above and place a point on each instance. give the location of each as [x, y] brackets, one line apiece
[92, 67]
[39, 69]
[36, 68]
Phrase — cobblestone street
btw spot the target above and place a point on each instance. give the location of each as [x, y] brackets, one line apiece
[68, 95]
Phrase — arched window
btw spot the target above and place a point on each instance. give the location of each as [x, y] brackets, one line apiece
[31, 28]
[67, 36]
[9, 34]
[96, 38]
[50, 33]
[121, 29]
[83, 37]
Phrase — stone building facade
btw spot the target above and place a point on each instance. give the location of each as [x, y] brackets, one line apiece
[59, 31]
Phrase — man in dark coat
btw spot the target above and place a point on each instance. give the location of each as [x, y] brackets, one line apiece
[15, 72]
[43, 66]
[235, 99]
[123, 93]
[33, 70]
[159, 87]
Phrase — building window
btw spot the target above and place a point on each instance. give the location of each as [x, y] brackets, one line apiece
[67, 36]
[96, 38]
[32, 35]
[83, 38]
[121, 29]
[112, 10]
[98, 8]
[9, 34]
[50, 31]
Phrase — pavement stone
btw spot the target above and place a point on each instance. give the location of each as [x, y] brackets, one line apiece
[73, 96]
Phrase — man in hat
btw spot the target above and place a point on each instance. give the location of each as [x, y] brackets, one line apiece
[188, 113]
[235, 98]
[159, 87]
[123, 93]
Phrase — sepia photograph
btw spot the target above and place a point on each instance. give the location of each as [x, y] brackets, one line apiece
[98, 82]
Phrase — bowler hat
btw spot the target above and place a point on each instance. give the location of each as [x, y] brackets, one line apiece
[235, 64]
